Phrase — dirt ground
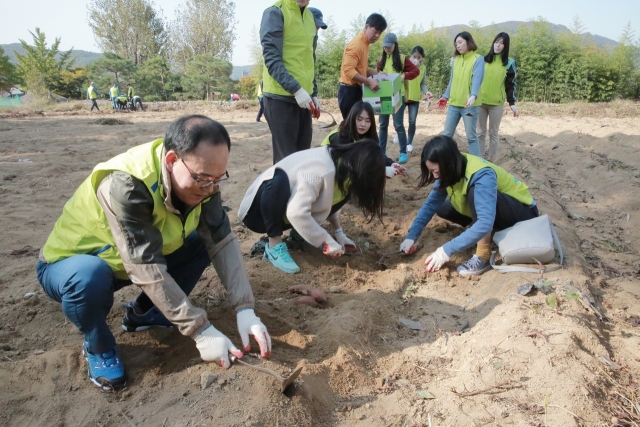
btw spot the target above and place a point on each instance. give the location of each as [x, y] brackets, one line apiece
[484, 355]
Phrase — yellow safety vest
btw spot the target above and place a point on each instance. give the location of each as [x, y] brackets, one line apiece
[92, 93]
[297, 48]
[461, 82]
[114, 92]
[507, 184]
[412, 91]
[83, 228]
[388, 68]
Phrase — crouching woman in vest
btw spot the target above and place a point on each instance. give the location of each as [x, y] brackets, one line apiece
[152, 217]
[467, 190]
[308, 187]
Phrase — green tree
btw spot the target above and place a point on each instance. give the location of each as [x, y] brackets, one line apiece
[110, 69]
[8, 72]
[329, 59]
[40, 65]
[132, 29]
[626, 60]
[73, 83]
[205, 75]
[203, 26]
[153, 77]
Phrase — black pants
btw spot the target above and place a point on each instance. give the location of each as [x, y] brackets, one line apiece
[290, 127]
[269, 207]
[261, 109]
[94, 104]
[508, 211]
[347, 97]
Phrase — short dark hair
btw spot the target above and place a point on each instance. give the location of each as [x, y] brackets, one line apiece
[418, 49]
[361, 166]
[506, 40]
[442, 150]
[184, 135]
[377, 21]
[348, 129]
[470, 43]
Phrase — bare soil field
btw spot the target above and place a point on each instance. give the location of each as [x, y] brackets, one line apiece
[482, 355]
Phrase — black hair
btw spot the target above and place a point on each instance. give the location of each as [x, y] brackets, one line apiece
[377, 21]
[348, 129]
[362, 165]
[418, 49]
[452, 164]
[395, 55]
[471, 44]
[184, 135]
[505, 52]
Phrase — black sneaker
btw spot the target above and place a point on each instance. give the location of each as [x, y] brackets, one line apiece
[135, 321]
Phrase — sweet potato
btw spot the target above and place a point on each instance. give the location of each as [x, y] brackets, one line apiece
[307, 300]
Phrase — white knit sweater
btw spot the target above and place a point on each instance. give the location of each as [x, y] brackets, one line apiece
[311, 179]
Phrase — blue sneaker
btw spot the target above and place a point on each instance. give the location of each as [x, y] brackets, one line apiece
[105, 370]
[135, 321]
[279, 256]
[404, 158]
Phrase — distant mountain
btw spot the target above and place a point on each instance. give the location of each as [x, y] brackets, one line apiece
[240, 71]
[83, 57]
[511, 27]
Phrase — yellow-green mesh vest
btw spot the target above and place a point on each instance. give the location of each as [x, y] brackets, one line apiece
[461, 84]
[114, 92]
[326, 140]
[388, 68]
[507, 184]
[412, 91]
[297, 48]
[130, 92]
[92, 93]
[492, 90]
[83, 228]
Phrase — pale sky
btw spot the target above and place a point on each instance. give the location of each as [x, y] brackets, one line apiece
[68, 19]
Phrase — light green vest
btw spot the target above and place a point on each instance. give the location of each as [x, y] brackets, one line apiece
[507, 184]
[412, 91]
[297, 48]
[92, 93]
[113, 91]
[492, 90]
[326, 140]
[388, 68]
[83, 228]
[461, 83]
[259, 91]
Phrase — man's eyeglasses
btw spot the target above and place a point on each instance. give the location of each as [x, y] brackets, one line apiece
[205, 182]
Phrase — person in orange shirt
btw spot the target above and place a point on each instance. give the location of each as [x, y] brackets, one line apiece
[355, 64]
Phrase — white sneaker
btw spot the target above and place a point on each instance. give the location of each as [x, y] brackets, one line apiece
[409, 149]
[395, 139]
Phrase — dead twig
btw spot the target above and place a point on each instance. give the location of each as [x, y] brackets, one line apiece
[127, 418]
[538, 333]
[493, 389]
[566, 410]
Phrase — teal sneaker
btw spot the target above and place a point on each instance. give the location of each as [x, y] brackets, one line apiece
[105, 370]
[404, 158]
[279, 256]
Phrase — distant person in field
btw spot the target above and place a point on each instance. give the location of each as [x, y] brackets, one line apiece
[114, 93]
[130, 92]
[152, 217]
[288, 38]
[136, 102]
[355, 70]
[463, 90]
[93, 94]
[414, 91]
[498, 86]
[260, 101]
[393, 62]
[469, 191]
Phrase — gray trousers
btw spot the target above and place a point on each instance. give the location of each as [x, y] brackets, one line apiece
[290, 127]
[494, 114]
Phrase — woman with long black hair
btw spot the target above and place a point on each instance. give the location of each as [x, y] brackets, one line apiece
[306, 188]
[498, 85]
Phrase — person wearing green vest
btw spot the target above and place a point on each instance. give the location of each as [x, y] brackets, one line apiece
[93, 94]
[152, 217]
[288, 36]
[393, 62]
[414, 90]
[260, 95]
[498, 86]
[467, 72]
[467, 190]
[130, 92]
[114, 93]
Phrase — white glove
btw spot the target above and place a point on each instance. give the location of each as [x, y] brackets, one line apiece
[436, 260]
[470, 101]
[332, 248]
[347, 244]
[390, 171]
[316, 102]
[408, 246]
[214, 346]
[515, 110]
[250, 324]
[302, 98]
